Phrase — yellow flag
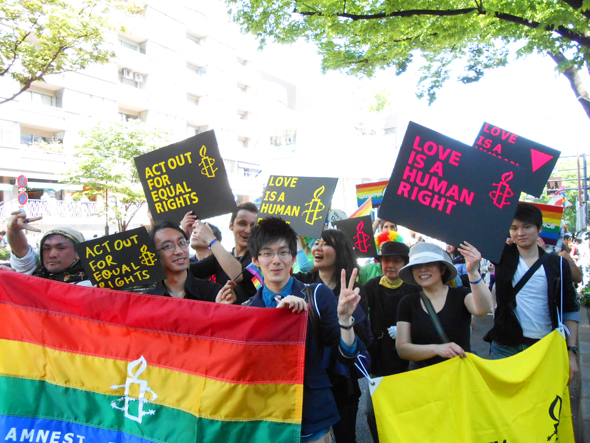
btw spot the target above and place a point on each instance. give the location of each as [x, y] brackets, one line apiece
[523, 398]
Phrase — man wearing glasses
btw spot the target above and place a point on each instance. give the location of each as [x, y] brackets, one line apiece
[273, 247]
[172, 246]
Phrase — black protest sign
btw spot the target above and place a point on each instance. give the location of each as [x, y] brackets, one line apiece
[538, 160]
[450, 191]
[121, 260]
[360, 232]
[186, 176]
[302, 201]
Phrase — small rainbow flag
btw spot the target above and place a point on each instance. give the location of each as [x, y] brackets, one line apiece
[258, 278]
[84, 364]
[364, 209]
[551, 222]
[374, 191]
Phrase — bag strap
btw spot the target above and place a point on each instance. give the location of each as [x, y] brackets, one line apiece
[434, 318]
[526, 277]
[314, 319]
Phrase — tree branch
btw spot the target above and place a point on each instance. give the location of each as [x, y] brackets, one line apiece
[563, 31]
[575, 80]
[39, 76]
[408, 13]
[577, 5]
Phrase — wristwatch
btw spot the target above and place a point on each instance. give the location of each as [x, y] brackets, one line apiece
[574, 349]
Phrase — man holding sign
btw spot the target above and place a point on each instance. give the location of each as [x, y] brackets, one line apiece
[172, 246]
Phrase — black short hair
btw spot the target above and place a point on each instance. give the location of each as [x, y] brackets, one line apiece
[528, 213]
[248, 206]
[345, 258]
[160, 226]
[216, 231]
[271, 230]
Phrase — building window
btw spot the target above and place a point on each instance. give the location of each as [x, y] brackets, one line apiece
[248, 170]
[127, 117]
[27, 138]
[131, 78]
[195, 40]
[40, 98]
[196, 70]
[137, 47]
[192, 100]
[243, 142]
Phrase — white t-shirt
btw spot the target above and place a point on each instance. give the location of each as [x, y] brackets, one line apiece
[532, 308]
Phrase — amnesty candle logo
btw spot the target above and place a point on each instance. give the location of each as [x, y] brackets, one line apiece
[207, 163]
[143, 389]
[315, 206]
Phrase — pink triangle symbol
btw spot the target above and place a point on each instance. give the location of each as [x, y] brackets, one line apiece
[539, 158]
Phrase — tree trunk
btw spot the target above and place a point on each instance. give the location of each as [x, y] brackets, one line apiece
[576, 82]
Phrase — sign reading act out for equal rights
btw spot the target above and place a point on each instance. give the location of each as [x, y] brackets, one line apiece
[302, 201]
[450, 191]
[121, 260]
[186, 176]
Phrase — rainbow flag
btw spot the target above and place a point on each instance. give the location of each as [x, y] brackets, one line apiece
[551, 222]
[258, 279]
[364, 209]
[89, 365]
[374, 191]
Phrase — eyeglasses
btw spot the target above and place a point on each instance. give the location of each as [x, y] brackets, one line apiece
[284, 253]
[183, 244]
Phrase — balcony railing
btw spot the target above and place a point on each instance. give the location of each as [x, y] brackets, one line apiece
[52, 208]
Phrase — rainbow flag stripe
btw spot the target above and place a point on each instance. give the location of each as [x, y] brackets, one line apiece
[371, 190]
[257, 279]
[97, 365]
[551, 222]
[364, 209]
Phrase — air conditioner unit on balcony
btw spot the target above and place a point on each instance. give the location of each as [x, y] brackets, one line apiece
[137, 77]
[127, 73]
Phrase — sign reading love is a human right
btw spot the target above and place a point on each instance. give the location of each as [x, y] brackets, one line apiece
[450, 191]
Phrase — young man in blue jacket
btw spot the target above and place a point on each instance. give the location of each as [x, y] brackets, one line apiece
[273, 247]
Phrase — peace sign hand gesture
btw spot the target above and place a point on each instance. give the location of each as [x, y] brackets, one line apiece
[349, 297]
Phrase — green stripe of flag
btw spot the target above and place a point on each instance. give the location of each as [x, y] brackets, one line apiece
[34, 398]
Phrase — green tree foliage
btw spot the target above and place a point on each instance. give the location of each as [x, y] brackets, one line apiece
[362, 36]
[105, 166]
[42, 37]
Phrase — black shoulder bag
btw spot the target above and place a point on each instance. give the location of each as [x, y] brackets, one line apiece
[434, 318]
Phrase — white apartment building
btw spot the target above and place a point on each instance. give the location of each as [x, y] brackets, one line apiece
[181, 67]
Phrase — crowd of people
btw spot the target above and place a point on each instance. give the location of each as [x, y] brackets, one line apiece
[410, 309]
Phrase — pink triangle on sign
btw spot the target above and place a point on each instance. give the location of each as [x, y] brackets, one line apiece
[539, 159]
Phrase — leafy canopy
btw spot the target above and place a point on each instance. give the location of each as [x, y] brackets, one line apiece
[105, 166]
[42, 37]
[362, 36]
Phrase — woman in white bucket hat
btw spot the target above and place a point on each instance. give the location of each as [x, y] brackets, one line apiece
[419, 338]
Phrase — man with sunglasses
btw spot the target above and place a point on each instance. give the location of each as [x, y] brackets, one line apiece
[172, 245]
